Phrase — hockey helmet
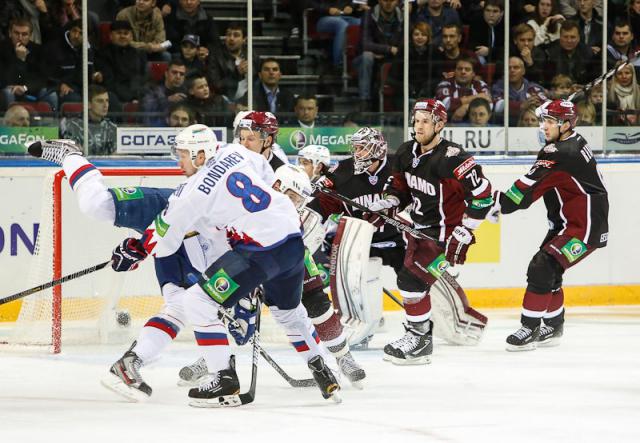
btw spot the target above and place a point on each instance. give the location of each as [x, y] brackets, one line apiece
[316, 154]
[559, 110]
[196, 138]
[294, 178]
[430, 106]
[265, 123]
[367, 145]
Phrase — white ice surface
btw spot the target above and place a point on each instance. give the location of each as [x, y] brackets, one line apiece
[586, 390]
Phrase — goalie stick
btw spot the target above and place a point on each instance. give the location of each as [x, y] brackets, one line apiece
[400, 226]
[604, 77]
[295, 383]
[52, 283]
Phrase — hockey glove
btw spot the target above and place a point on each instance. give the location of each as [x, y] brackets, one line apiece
[493, 216]
[388, 202]
[387, 206]
[458, 244]
[376, 220]
[244, 312]
[127, 255]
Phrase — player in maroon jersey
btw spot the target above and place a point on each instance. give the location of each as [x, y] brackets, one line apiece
[566, 176]
[449, 198]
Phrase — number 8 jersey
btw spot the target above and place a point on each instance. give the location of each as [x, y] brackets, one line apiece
[232, 192]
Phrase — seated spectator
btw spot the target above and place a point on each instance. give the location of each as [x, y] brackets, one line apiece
[189, 17]
[634, 20]
[204, 101]
[422, 79]
[522, 92]
[23, 74]
[569, 56]
[586, 113]
[522, 10]
[65, 58]
[546, 22]
[192, 59]
[624, 95]
[621, 45]
[120, 67]
[306, 110]
[148, 29]
[444, 63]
[335, 17]
[17, 117]
[595, 98]
[63, 12]
[267, 95]
[228, 69]
[437, 15]
[590, 23]
[180, 116]
[353, 120]
[533, 56]
[561, 87]
[170, 91]
[479, 112]
[528, 118]
[457, 93]
[102, 131]
[382, 36]
[486, 37]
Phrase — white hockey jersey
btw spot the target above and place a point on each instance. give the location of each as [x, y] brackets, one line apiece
[233, 193]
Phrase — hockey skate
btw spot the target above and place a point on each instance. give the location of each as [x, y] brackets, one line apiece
[326, 380]
[54, 150]
[124, 378]
[354, 373]
[414, 348]
[192, 375]
[524, 339]
[550, 335]
[217, 390]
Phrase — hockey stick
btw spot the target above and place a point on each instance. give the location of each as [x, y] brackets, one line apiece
[56, 282]
[604, 77]
[392, 297]
[389, 220]
[295, 383]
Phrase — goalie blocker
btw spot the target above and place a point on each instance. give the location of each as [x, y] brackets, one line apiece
[357, 291]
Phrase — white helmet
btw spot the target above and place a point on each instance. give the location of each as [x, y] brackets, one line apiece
[236, 122]
[294, 178]
[315, 153]
[196, 138]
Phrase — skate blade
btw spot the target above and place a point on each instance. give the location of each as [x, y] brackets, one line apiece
[528, 347]
[224, 401]
[358, 384]
[550, 343]
[114, 384]
[426, 360]
[336, 397]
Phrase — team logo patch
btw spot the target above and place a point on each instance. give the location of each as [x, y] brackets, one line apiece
[298, 139]
[438, 266]
[544, 164]
[415, 162]
[464, 167]
[373, 179]
[220, 286]
[550, 148]
[573, 250]
[161, 226]
[310, 264]
[452, 151]
[124, 194]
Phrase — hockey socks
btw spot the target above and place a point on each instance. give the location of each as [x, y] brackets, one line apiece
[156, 334]
[93, 197]
[300, 331]
[331, 332]
[417, 306]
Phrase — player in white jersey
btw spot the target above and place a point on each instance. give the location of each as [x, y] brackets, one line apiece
[233, 193]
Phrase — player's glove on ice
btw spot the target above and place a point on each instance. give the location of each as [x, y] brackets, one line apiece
[458, 244]
[127, 255]
[244, 312]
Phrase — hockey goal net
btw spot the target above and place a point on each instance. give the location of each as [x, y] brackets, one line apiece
[103, 307]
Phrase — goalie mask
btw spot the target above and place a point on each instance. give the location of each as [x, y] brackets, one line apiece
[294, 182]
[193, 139]
[367, 146]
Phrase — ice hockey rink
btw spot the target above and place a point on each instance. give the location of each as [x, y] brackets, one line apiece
[586, 390]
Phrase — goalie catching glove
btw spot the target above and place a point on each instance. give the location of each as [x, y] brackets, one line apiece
[458, 244]
[128, 255]
[244, 313]
[387, 206]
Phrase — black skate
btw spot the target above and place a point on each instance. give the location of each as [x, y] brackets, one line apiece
[524, 339]
[218, 390]
[414, 348]
[327, 382]
[124, 378]
[550, 335]
[354, 373]
[54, 150]
[192, 375]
